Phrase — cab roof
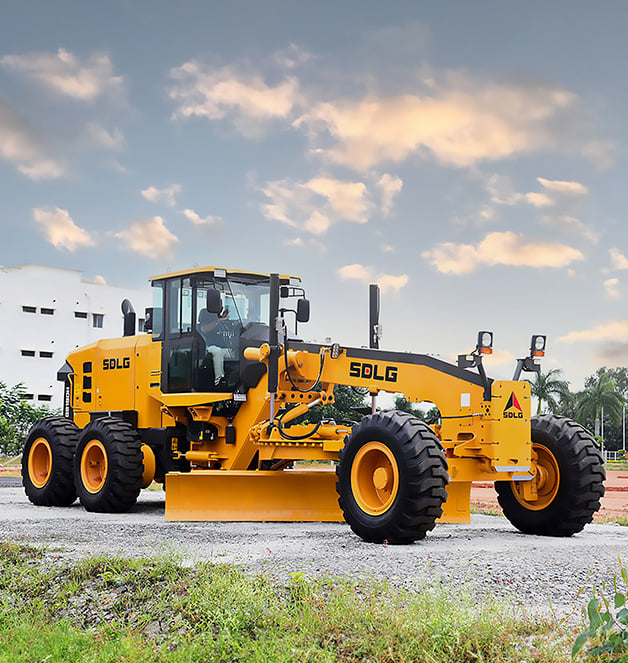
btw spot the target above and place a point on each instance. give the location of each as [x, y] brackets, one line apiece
[223, 271]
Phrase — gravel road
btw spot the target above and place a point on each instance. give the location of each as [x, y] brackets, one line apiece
[537, 573]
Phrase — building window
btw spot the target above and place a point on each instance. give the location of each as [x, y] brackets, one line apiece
[44, 397]
[97, 320]
[28, 353]
[80, 314]
[26, 397]
[45, 354]
[29, 309]
[47, 311]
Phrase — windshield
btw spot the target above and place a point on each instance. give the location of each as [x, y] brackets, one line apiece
[244, 302]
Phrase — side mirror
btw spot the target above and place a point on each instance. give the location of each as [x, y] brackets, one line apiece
[148, 319]
[303, 310]
[214, 301]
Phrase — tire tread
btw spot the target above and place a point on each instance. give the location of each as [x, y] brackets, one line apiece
[419, 501]
[582, 478]
[62, 435]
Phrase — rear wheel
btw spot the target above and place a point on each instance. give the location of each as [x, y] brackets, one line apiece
[47, 462]
[108, 466]
[392, 477]
[569, 482]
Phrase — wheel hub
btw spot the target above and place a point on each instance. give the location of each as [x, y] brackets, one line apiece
[374, 478]
[40, 462]
[544, 486]
[380, 478]
[94, 466]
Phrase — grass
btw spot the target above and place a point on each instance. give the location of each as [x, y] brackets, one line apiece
[111, 609]
[617, 465]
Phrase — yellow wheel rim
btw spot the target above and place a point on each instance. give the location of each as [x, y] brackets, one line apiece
[94, 466]
[40, 462]
[545, 483]
[150, 465]
[374, 478]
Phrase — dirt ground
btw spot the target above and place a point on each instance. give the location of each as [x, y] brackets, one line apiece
[614, 502]
[484, 497]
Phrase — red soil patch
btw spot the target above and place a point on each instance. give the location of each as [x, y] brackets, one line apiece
[614, 502]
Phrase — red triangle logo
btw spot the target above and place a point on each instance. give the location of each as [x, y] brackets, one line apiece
[513, 402]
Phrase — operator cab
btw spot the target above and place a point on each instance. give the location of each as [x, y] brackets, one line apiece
[204, 319]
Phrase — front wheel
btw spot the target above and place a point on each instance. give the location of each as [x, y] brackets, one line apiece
[567, 487]
[108, 466]
[392, 475]
[47, 462]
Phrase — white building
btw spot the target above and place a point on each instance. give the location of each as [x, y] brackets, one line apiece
[44, 313]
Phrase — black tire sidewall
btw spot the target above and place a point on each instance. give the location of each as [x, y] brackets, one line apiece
[421, 466]
[373, 433]
[88, 499]
[59, 488]
[564, 515]
[121, 487]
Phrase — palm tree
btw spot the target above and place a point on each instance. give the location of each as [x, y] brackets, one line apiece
[600, 394]
[546, 387]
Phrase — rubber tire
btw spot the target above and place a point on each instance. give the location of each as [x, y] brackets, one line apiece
[123, 482]
[581, 483]
[423, 478]
[62, 436]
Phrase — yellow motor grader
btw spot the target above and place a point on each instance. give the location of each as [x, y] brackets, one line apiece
[221, 417]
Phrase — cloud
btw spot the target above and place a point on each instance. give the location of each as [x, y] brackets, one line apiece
[43, 169]
[612, 288]
[100, 280]
[500, 248]
[309, 244]
[615, 330]
[114, 164]
[502, 192]
[346, 199]
[66, 74]
[292, 57]
[538, 199]
[389, 186]
[208, 221]
[150, 238]
[22, 146]
[499, 358]
[60, 229]
[166, 195]
[367, 274]
[572, 225]
[219, 93]
[611, 338]
[101, 137]
[601, 153]
[460, 122]
[564, 188]
[317, 204]
[618, 259]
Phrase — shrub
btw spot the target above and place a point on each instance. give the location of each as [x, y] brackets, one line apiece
[16, 417]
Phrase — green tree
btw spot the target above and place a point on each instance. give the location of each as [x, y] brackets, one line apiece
[16, 417]
[600, 392]
[343, 410]
[618, 374]
[404, 405]
[548, 388]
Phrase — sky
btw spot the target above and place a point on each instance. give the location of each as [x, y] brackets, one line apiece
[470, 157]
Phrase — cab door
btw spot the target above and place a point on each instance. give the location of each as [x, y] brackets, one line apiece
[177, 360]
